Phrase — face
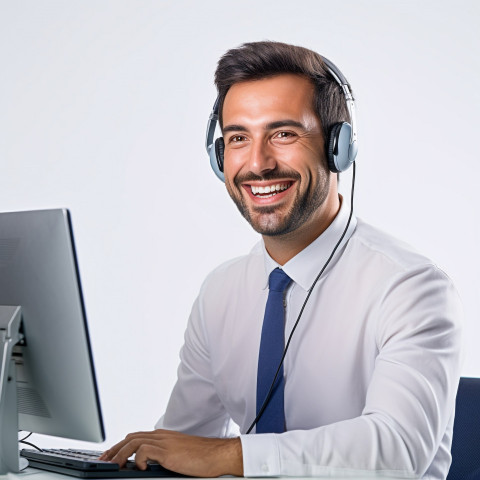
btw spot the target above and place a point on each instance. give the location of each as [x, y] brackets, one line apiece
[275, 166]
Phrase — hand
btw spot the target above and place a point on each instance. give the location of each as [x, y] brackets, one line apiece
[181, 453]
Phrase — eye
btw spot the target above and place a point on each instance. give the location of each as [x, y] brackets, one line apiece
[284, 136]
[237, 139]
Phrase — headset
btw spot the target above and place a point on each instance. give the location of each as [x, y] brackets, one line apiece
[342, 142]
[341, 153]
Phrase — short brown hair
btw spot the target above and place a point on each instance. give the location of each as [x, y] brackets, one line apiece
[257, 60]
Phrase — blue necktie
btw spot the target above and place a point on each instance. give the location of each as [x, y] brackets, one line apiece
[271, 350]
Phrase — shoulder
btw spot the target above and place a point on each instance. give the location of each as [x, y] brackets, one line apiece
[403, 279]
[230, 287]
[381, 246]
[234, 272]
[387, 267]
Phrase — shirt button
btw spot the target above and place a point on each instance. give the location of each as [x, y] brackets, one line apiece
[265, 468]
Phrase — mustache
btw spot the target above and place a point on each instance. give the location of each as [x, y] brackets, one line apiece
[268, 177]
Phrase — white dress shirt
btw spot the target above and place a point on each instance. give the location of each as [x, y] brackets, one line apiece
[371, 374]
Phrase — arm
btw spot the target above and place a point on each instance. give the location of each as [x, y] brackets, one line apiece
[186, 454]
[195, 408]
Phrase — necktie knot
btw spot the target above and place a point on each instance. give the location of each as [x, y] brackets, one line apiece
[278, 280]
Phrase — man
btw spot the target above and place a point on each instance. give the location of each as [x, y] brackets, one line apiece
[369, 381]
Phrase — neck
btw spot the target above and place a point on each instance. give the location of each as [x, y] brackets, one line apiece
[283, 248]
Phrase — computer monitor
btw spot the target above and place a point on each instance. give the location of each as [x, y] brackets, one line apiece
[43, 314]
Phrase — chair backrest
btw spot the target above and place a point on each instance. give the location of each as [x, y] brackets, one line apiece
[466, 432]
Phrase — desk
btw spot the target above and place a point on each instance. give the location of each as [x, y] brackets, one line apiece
[35, 474]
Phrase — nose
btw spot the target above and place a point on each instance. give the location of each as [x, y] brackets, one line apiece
[261, 159]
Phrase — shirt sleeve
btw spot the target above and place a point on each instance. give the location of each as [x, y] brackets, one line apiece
[410, 399]
[194, 406]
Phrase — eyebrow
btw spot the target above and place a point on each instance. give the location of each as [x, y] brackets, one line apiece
[268, 126]
[234, 128]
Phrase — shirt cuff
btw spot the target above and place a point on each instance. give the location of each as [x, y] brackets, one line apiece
[261, 455]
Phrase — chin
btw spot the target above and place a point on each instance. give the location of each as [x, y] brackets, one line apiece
[271, 226]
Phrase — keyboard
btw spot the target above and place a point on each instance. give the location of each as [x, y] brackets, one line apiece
[85, 464]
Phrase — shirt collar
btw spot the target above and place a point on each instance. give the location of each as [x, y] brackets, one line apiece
[304, 267]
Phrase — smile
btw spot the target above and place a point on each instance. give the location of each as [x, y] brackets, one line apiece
[270, 190]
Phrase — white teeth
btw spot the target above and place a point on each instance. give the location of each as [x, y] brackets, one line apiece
[270, 189]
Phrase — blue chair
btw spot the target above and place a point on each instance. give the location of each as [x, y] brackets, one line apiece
[466, 432]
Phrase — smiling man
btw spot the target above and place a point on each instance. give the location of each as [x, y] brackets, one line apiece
[369, 380]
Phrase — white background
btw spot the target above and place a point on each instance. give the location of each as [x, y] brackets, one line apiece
[103, 109]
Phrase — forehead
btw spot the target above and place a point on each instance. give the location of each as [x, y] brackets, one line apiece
[281, 96]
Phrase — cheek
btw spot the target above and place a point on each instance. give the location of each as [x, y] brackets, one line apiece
[232, 164]
[300, 156]
[306, 166]
[229, 172]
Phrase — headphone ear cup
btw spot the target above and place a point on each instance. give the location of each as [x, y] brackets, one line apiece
[219, 152]
[340, 154]
[333, 147]
[216, 160]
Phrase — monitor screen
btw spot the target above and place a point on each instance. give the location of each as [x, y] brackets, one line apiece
[55, 379]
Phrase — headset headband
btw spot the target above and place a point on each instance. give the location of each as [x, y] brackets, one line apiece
[342, 81]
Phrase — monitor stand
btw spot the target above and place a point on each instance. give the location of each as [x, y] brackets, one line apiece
[10, 318]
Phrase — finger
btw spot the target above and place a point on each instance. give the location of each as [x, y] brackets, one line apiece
[109, 454]
[141, 434]
[124, 453]
[148, 452]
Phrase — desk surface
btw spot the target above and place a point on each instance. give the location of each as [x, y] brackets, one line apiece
[35, 474]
